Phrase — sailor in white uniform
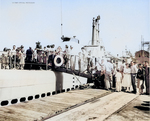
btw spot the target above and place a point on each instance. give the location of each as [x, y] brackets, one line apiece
[84, 59]
[66, 57]
[79, 61]
[13, 56]
[108, 74]
[72, 59]
[22, 57]
[90, 62]
[5, 59]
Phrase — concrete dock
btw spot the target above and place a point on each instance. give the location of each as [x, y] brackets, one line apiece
[81, 105]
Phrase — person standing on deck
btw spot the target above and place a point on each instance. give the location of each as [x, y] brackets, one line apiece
[22, 57]
[72, 59]
[51, 57]
[29, 53]
[66, 57]
[13, 56]
[84, 59]
[79, 61]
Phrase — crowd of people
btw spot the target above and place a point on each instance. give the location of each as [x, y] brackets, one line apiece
[130, 77]
[44, 58]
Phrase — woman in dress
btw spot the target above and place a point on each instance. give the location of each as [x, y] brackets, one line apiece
[126, 82]
[118, 80]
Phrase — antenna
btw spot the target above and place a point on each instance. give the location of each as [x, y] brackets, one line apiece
[61, 20]
[141, 42]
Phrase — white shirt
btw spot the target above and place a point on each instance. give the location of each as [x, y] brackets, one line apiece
[134, 69]
[118, 77]
[13, 52]
[109, 67]
[35, 54]
[71, 52]
[127, 70]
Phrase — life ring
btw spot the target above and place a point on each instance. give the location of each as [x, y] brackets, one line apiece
[58, 60]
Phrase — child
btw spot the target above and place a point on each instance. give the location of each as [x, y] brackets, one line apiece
[118, 81]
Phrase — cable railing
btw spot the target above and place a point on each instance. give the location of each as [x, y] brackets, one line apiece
[15, 60]
[44, 61]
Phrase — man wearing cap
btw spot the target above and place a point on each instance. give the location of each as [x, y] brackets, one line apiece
[5, 58]
[84, 59]
[72, 59]
[51, 57]
[89, 61]
[50, 49]
[29, 53]
[22, 57]
[66, 57]
[13, 56]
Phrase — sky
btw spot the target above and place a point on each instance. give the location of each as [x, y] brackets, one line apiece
[122, 23]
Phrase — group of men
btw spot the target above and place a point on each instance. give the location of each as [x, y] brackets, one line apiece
[107, 71]
[12, 59]
[103, 70]
[37, 58]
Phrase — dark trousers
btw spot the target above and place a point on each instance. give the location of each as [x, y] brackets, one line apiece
[133, 82]
[102, 77]
[97, 81]
[147, 85]
[114, 81]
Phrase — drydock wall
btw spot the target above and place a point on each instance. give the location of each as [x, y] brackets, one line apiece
[23, 85]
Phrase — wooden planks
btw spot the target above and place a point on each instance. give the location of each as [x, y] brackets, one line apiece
[48, 106]
[98, 110]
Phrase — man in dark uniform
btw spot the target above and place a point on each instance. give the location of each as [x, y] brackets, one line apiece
[29, 53]
[147, 78]
[51, 57]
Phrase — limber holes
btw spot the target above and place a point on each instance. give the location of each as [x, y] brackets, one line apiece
[68, 89]
[14, 101]
[22, 99]
[63, 90]
[53, 93]
[5, 102]
[43, 95]
[37, 96]
[58, 91]
[76, 86]
[30, 97]
[48, 94]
